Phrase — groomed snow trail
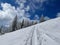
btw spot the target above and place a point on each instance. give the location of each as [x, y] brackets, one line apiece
[47, 33]
[39, 37]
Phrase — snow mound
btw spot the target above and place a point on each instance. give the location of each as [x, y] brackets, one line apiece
[46, 33]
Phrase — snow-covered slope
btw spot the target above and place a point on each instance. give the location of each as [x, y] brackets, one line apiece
[46, 33]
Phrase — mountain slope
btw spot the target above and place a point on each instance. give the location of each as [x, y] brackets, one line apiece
[46, 33]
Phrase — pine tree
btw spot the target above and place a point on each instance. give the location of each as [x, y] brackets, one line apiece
[0, 29]
[14, 24]
[22, 24]
[19, 25]
[42, 18]
[36, 22]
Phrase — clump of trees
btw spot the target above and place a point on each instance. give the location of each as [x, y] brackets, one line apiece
[18, 25]
[15, 25]
[24, 23]
[1, 30]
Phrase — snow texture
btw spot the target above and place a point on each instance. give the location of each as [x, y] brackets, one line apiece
[46, 33]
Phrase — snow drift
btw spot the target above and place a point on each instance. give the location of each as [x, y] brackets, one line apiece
[46, 33]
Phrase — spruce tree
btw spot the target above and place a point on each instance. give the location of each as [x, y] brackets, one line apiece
[14, 23]
[0, 29]
[22, 24]
[42, 18]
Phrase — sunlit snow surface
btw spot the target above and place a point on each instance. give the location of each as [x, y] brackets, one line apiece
[46, 33]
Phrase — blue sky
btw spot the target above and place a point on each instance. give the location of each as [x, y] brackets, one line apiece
[28, 9]
[51, 9]
[12, 2]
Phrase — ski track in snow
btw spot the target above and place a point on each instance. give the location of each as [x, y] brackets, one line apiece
[37, 38]
[34, 35]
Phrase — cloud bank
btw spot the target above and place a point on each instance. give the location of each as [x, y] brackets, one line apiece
[58, 14]
[8, 12]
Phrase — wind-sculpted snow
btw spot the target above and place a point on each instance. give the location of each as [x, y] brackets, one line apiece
[46, 33]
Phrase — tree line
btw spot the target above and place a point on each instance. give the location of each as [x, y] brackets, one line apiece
[15, 25]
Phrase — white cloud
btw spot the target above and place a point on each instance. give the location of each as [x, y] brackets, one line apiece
[20, 1]
[27, 15]
[58, 14]
[32, 3]
[36, 17]
[46, 18]
[27, 8]
[8, 12]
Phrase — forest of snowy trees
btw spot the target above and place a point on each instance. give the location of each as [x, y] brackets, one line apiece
[16, 25]
[18, 12]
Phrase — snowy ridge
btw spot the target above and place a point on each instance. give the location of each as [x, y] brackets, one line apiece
[46, 33]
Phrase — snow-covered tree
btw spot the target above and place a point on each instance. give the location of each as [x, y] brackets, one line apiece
[22, 24]
[14, 23]
[42, 18]
[26, 23]
[19, 25]
[0, 29]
